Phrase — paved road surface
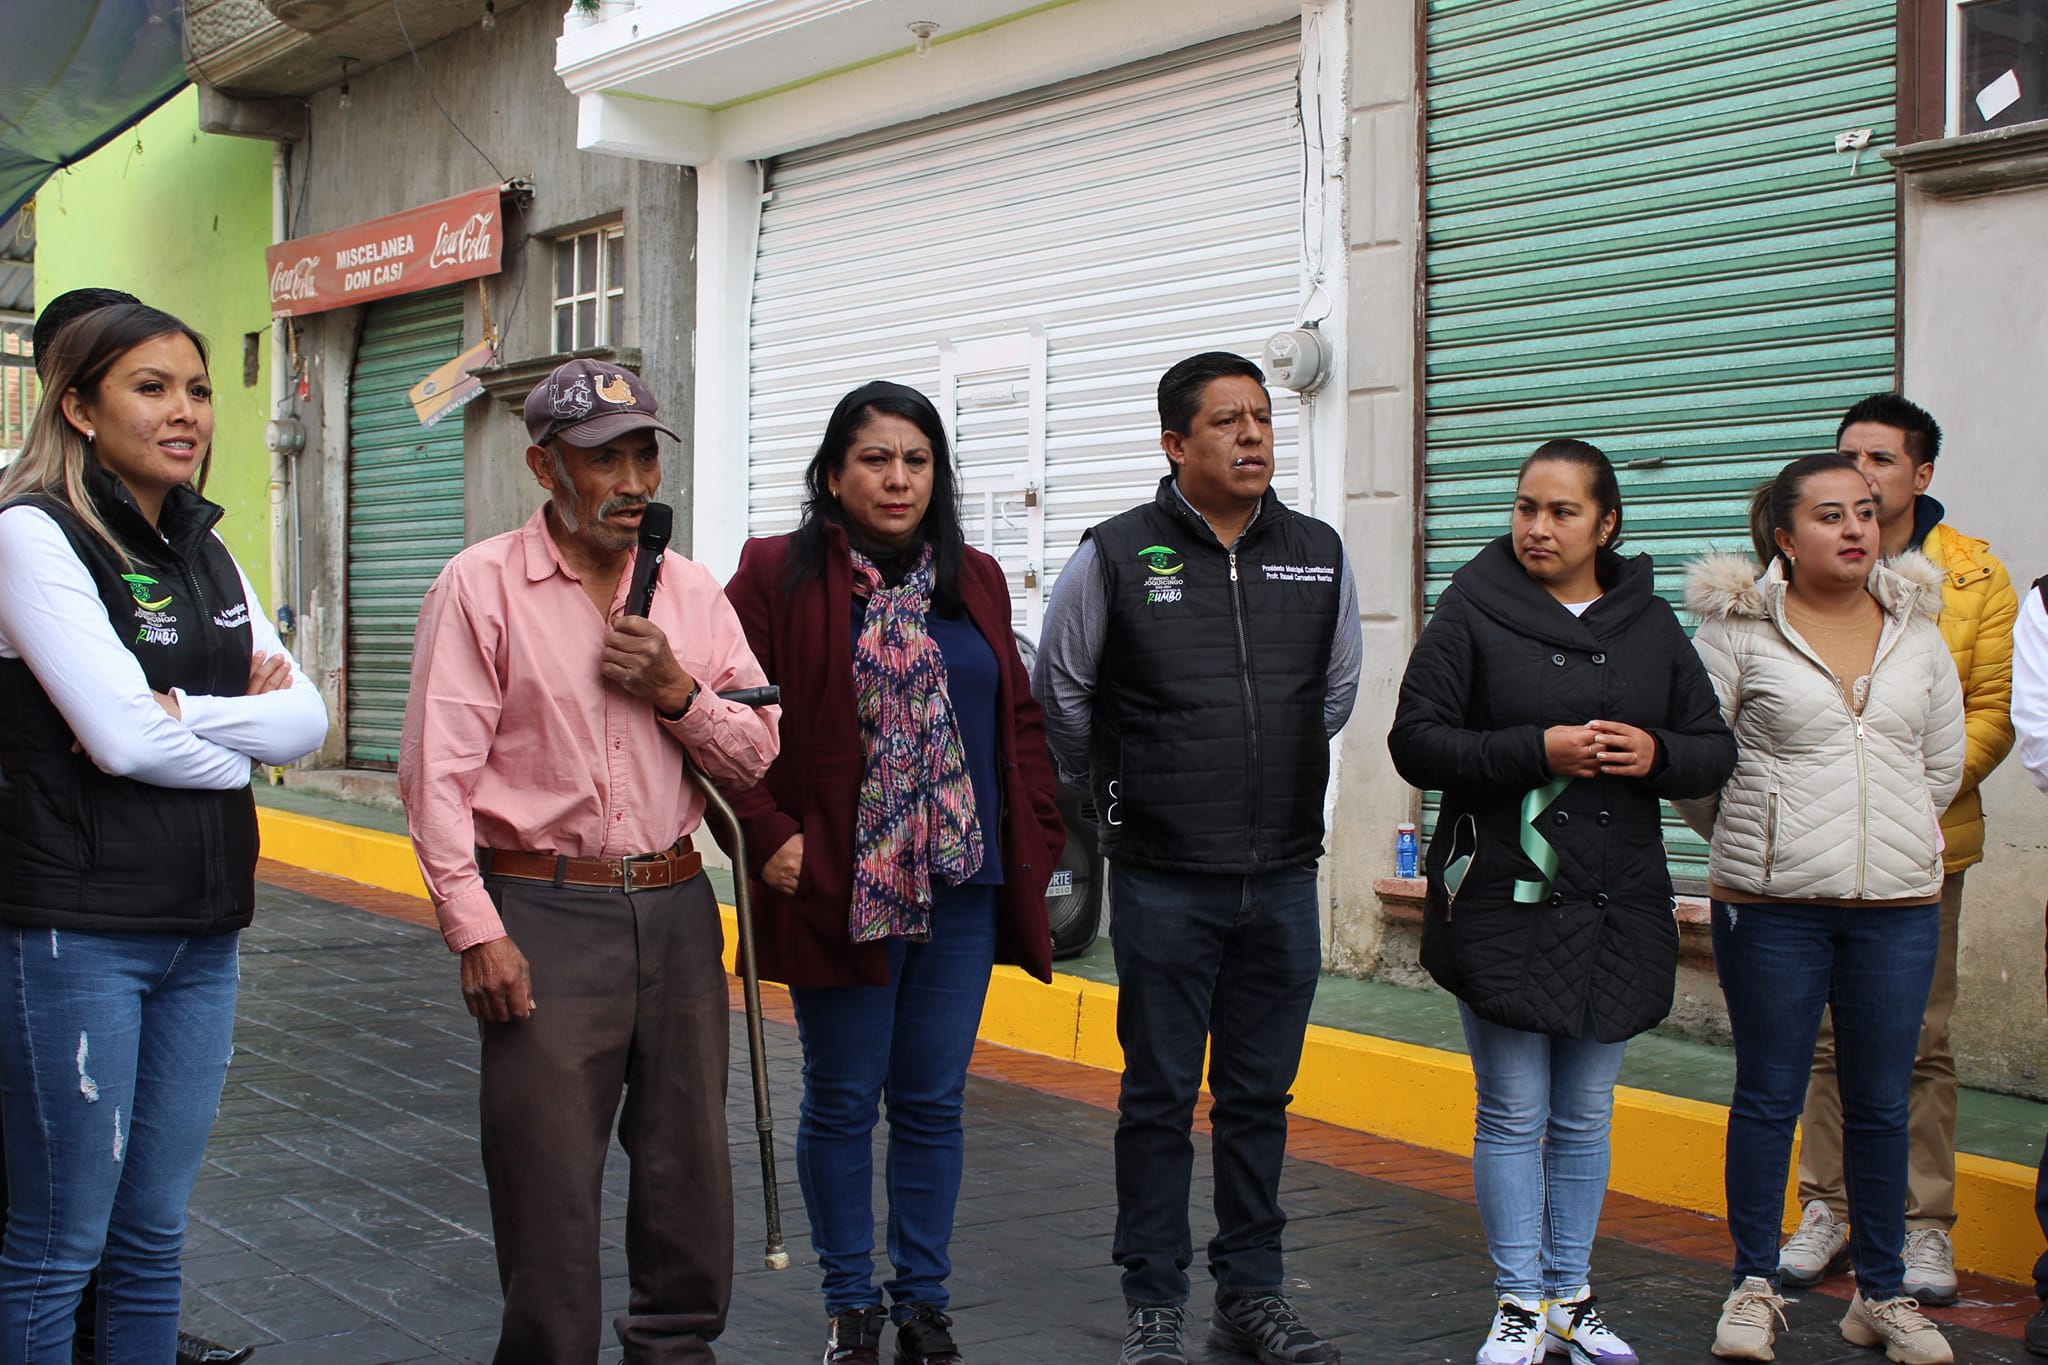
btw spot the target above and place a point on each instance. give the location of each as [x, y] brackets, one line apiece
[341, 1216]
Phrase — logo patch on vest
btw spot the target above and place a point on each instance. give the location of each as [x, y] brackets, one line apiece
[233, 618]
[1161, 559]
[1164, 561]
[1301, 573]
[142, 585]
[159, 627]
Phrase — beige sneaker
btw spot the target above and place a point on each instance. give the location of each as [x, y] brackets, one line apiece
[1896, 1325]
[1748, 1319]
[1930, 1268]
[1818, 1249]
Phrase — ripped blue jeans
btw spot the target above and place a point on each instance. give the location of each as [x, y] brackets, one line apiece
[113, 1051]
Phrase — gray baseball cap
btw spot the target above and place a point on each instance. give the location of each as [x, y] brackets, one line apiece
[587, 403]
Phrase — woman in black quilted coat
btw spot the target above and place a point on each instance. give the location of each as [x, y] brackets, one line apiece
[1553, 699]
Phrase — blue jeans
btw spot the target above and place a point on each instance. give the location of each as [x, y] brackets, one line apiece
[1779, 965]
[908, 1043]
[1227, 963]
[1539, 1152]
[117, 1047]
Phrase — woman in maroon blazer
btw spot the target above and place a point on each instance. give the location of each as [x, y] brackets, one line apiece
[900, 845]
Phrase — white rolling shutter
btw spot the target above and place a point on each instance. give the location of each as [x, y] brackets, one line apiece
[1034, 265]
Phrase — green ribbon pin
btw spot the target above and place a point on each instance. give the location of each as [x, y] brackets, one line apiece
[1535, 846]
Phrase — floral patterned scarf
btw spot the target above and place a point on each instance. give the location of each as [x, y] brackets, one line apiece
[915, 821]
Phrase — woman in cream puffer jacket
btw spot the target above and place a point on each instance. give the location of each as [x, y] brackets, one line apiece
[1823, 806]
[1826, 871]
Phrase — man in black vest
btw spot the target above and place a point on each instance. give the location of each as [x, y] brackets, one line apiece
[192, 1349]
[1198, 654]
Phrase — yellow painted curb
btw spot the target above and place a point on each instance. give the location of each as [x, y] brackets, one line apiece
[1666, 1149]
[369, 856]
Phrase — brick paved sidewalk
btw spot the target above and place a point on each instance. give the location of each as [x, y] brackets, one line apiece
[341, 1216]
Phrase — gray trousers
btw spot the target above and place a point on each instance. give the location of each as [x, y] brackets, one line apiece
[630, 999]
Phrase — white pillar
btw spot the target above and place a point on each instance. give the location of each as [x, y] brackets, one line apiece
[728, 223]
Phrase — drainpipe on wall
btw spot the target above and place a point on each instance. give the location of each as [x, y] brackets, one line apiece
[280, 391]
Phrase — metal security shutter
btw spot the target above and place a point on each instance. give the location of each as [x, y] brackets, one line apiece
[1640, 234]
[1034, 264]
[404, 508]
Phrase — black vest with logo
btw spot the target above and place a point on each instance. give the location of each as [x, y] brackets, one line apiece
[1208, 751]
[84, 849]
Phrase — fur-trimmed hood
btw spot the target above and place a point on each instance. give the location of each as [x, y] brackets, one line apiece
[1720, 586]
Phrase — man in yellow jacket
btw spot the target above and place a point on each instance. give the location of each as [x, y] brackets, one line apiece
[1895, 443]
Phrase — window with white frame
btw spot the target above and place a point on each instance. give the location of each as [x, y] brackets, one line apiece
[1997, 64]
[590, 288]
[19, 391]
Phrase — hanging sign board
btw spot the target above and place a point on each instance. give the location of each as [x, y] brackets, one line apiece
[451, 385]
[456, 239]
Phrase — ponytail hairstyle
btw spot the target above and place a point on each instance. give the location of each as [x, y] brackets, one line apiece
[1772, 505]
[1599, 471]
[55, 456]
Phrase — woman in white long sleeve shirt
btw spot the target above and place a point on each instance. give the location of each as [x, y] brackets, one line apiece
[139, 679]
[2030, 683]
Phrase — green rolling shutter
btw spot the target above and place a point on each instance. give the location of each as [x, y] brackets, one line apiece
[404, 508]
[1639, 233]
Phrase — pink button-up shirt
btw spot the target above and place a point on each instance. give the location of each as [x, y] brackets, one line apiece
[514, 740]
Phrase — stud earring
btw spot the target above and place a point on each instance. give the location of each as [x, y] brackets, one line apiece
[90, 435]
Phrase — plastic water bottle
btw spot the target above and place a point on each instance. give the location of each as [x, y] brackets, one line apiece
[1406, 850]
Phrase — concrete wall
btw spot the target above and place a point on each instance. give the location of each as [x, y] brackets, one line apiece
[1976, 354]
[174, 216]
[391, 150]
[1383, 234]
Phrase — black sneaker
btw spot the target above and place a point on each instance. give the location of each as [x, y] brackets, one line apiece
[855, 1336]
[1264, 1327]
[2037, 1332]
[922, 1338]
[194, 1349]
[1152, 1336]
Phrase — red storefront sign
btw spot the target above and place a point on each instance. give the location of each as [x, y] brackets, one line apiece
[456, 239]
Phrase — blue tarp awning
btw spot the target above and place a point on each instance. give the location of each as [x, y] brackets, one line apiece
[74, 74]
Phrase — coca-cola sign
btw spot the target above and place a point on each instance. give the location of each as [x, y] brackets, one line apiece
[294, 279]
[456, 239]
[472, 241]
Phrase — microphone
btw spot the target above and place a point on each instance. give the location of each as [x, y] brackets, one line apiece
[657, 522]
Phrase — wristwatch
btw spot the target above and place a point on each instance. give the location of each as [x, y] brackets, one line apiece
[688, 702]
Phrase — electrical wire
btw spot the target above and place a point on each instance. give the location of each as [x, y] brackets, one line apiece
[294, 216]
[517, 287]
[1308, 87]
[399, 14]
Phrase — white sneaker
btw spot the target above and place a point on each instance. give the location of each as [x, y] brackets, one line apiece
[1517, 1336]
[1574, 1324]
[1896, 1325]
[1748, 1321]
[1930, 1268]
[1816, 1250]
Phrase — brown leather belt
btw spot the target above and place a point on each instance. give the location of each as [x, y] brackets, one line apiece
[643, 872]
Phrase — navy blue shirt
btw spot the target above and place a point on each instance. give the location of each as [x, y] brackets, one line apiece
[972, 676]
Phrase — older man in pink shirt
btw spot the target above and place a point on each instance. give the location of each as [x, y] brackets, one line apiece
[543, 772]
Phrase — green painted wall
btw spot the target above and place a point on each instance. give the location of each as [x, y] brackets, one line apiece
[181, 219]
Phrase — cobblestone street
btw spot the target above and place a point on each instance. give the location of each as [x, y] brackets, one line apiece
[342, 1215]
